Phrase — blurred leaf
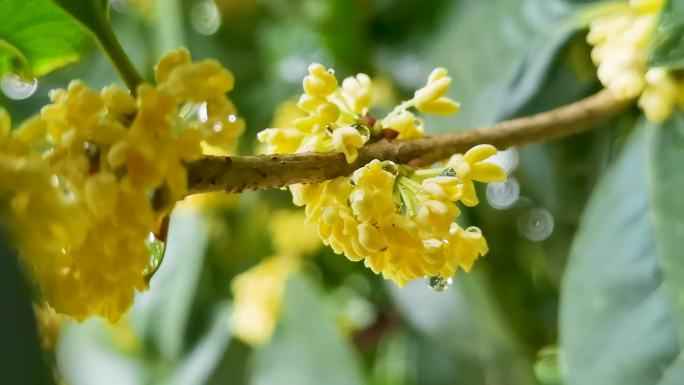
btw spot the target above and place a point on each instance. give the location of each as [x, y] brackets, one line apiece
[617, 320]
[37, 37]
[21, 359]
[665, 145]
[162, 312]
[497, 52]
[197, 367]
[547, 368]
[667, 46]
[307, 348]
[395, 360]
[94, 353]
[343, 33]
[466, 322]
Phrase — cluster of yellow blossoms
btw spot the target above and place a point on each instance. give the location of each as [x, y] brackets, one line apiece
[93, 176]
[258, 292]
[399, 221]
[621, 41]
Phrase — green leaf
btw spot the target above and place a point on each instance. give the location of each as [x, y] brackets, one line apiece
[21, 360]
[307, 348]
[666, 181]
[667, 46]
[621, 307]
[91, 13]
[198, 365]
[37, 37]
[95, 353]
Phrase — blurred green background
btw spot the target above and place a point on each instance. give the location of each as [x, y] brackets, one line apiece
[340, 324]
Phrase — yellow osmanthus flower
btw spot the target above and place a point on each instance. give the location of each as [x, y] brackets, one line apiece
[91, 178]
[399, 221]
[621, 39]
[291, 235]
[258, 296]
[258, 292]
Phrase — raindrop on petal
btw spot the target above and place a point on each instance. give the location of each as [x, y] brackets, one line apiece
[202, 113]
[449, 171]
[439, 283]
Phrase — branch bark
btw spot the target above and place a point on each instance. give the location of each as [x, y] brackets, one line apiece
[238, 173]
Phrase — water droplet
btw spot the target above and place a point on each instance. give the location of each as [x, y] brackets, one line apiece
[17, 88]
[363, 130]
[536, 225]
[202, 113]
[217, 127]
[506, 159]
[449, 171]
[439, 283]
[503, 195]
[232, 118]
[474, 229]
[156, 248]
[205, 17]
[390, 167]
[331, 71]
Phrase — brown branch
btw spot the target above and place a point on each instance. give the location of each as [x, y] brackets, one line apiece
[237, 173]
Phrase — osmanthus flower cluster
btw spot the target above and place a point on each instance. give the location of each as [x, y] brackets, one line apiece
[94, 175]
[621, 38]
[399, 221]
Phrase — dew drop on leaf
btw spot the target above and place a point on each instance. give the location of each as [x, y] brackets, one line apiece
[17, 88]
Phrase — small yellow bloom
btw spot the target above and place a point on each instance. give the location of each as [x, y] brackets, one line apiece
[258, 295]
[472, 167]
[319, 82]
[291, 235]
[348, 140]
[431, 98]
[357, 91]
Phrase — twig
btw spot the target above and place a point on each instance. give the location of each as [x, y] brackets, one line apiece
[237, 173]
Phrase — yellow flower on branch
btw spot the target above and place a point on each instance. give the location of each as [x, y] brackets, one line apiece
[400, 222]
[621, 39]
[94, 175]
